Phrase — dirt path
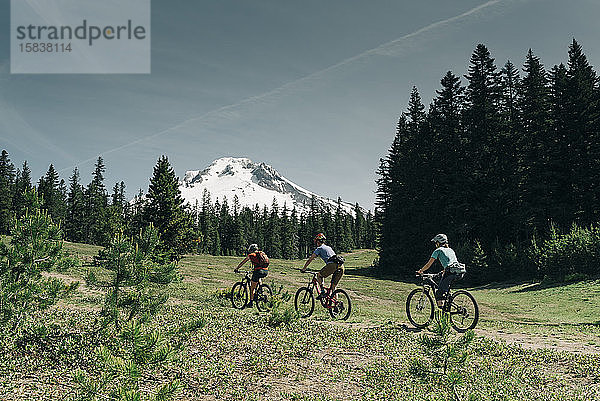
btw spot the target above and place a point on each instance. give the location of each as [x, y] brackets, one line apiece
[529, 341]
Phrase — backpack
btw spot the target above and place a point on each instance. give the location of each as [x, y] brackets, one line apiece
[457, 268]
[340, 260]
[263, 260]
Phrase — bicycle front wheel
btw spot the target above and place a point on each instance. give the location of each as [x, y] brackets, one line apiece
[304, 302]
[464, 312]
[239, 296]
[419, 308]
[263, 298]
[340, 306]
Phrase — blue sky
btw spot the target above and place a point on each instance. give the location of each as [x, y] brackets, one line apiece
[313, 88]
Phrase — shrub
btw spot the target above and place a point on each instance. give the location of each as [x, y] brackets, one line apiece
[281, 311]
[562, 255]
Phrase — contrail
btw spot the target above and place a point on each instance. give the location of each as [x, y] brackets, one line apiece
[386, 49]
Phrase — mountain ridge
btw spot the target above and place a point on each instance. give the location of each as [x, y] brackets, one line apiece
[253, 183]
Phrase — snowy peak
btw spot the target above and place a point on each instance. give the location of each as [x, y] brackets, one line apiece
[253, 183]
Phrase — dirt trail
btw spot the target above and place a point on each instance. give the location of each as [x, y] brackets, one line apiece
[529, 341]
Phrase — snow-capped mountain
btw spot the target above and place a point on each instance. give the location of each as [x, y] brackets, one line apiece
[253, 183]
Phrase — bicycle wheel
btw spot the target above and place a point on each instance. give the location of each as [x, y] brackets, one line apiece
[263, 297]
[239, 295]
[419, 308]
[304, 302]
[464, 312]
[340, 305]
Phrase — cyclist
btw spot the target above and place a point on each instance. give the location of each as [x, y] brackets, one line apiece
[260, 261]
[453, 270]
[334, 264]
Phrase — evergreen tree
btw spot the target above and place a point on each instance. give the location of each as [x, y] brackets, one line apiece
[137, 286]
[35, 248]
[166, 211]
[273, 244]
[22, 186]
[7, 178]
[75, 218]
[581, 130]
[534, 145]
[96, 199]
[561, 154]
[485, 187]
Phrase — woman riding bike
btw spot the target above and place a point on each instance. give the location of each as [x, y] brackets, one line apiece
[334, 264]
[260, 262]
[453, 270]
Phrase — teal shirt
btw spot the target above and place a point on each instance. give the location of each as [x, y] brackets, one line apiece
[446, 256]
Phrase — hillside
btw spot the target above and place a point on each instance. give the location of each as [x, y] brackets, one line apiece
[238, 356]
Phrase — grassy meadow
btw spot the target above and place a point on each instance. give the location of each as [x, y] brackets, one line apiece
[533, 341]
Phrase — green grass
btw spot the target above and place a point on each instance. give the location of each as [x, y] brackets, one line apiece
[237, 355]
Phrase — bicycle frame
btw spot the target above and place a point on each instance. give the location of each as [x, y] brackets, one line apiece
[326, 301]
[429, 283]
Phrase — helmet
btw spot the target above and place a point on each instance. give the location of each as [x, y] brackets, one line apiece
[252, 248]
[440, 238]
[320, 237]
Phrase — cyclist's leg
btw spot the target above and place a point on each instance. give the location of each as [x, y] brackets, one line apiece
[256, 276]
[326, 271]
[444, 288]
[253, 285]
[337, 275]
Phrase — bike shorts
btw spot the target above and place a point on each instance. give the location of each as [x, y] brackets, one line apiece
[335, 269]
[445, 283]
[258, 274]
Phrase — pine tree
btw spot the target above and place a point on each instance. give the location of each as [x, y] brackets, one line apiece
[273, 244]
[96, 198]
[533, 145]
[448, 170]
[7, 178]
[75, 218]
[22, 186]
[581, 130]
[561, 154]
[165, 210]
[136, 288]
[35, 247]
[485, 187]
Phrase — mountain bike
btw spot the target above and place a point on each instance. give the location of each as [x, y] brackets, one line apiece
[241, 290]
[337, 303]
[460, 305]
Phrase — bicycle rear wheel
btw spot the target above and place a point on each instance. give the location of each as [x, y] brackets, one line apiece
[419, 308]
[340, 305]
[304, 302]
[263, 297]
[464, 312]
[239, 295]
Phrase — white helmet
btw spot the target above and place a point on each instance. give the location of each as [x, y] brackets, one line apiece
[252, 248]
[440, 238]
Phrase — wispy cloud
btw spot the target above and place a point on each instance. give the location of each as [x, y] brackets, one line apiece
[392, 48]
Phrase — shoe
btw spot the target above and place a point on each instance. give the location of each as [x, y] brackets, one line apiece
[321, 295]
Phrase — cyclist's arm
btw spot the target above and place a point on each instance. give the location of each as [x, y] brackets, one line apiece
[241, 264]
[427, 266]
[312, 257]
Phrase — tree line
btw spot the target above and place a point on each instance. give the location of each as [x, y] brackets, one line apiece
[91, 214]
[500, 164]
